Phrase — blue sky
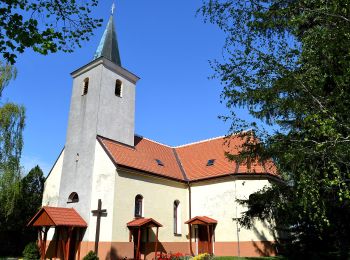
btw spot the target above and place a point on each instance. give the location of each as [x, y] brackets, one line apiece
[165, 44]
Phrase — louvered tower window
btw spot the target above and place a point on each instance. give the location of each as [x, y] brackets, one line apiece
[85, 86]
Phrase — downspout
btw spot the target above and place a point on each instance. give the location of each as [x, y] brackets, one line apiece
[189, 199]
[236, 219]
[236, 215]
[190, 216]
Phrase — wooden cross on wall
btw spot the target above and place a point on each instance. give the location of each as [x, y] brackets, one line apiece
[99, 212]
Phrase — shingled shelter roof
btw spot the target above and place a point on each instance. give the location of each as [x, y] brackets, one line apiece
[201, 220]
[55, 216]
[142, 222]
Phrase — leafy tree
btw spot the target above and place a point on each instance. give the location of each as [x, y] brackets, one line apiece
[27, 203]
[12, 118]
[7, 72]
[32, 193]
[287, 63]
[45, 26]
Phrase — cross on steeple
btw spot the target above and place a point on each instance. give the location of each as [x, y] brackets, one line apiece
[113, 7]
[99, 212]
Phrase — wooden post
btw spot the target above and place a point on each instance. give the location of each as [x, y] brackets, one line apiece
[41, 243]
[79, 242]
[212, 238]
[138, 244]
[69, 234]
[46, 229]
[214, 233]
[190, 233]
[208, 239]
[63, 244]
[57, 242]
[156, 246]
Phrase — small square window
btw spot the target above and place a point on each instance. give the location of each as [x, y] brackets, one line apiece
[210, 162]
[159, 162]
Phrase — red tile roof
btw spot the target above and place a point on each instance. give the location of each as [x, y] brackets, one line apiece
[143, 156]
[203, 219]
[139, 222]
[184, 163]
[54, 216]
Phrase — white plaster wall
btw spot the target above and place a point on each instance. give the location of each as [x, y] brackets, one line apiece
[216, 199]
[52, 183]
[103, 185]
[116, 115]
[99, 112]
[158, 200]
[81, 139]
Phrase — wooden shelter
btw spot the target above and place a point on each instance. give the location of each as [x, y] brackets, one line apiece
[206, 233]
[68, 225]
[136, 227]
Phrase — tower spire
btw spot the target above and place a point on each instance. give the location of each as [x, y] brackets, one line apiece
[108, 47]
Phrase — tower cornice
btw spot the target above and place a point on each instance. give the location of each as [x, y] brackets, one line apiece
[108, 64]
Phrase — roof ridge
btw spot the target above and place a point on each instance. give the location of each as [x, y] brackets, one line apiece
[180, 165]
[213, 138]
[201, 141]
[156, 142]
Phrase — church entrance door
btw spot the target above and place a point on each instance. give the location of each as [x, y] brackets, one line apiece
[205, 233]
[203, 245]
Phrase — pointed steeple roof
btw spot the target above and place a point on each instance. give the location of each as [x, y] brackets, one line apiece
[108, 47]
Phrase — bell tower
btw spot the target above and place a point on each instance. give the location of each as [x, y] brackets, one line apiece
[102, 103]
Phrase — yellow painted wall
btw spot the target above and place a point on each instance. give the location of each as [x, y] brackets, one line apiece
[216, 199]
[158, 200]
[117, 189]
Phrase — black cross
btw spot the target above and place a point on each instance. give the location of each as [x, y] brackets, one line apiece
[99, 212]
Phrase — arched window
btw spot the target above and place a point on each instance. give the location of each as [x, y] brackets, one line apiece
[118, 88]
[177, 218]
[85, 86]
[138, 206]
[73, 198]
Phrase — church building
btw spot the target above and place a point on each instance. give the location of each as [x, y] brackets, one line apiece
[125, 196]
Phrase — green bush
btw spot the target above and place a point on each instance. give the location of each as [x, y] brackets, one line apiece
[31, 252]
[91, 256]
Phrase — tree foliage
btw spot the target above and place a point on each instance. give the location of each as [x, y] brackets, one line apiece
[31, 252]
[7, 72]
[45, 26]
[288, 63]
[12, 119]
[27, 203]
[32, 193]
